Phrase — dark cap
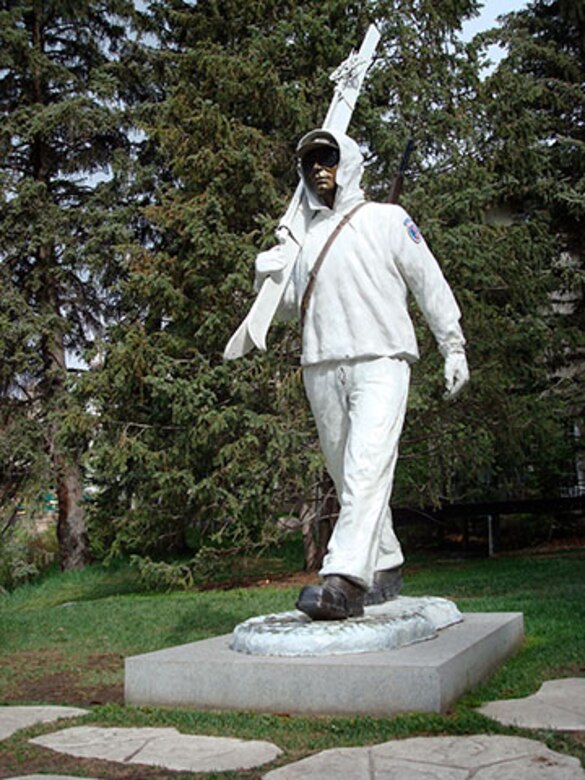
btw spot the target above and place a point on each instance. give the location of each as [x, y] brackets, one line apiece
[316, 139]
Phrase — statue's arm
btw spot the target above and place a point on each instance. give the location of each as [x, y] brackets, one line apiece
[273, 262]
[435, 298]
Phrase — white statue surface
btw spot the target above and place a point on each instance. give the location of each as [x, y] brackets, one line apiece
[345, 266]
[397, 623]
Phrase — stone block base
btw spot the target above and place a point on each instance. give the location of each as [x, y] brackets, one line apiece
[425, 677]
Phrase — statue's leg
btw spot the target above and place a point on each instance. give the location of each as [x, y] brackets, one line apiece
[376, 393]
[359, 409]
[325, 385]
[390, 552]
[388, 575]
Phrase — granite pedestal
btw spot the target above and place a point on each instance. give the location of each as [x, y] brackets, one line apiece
[424, 677]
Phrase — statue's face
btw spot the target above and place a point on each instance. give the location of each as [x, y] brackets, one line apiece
[320, 169]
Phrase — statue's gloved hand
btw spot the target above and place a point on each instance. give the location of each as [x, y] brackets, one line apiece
[269, 263]
[456, 373]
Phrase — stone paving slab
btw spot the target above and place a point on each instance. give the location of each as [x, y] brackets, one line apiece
[568, 692]
[12, 719]
[51, 777]
[480, 757]
[558, 705]
[161, 747]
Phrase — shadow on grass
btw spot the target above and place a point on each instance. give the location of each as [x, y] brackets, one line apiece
[95, 582]
[202, 621]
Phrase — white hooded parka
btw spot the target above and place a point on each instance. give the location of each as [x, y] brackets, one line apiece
[359, 305]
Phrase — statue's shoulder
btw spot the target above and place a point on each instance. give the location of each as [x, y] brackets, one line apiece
[388, 212]
[391, 208]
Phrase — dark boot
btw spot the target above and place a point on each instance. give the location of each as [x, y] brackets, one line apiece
[337, 599]
[387, 585]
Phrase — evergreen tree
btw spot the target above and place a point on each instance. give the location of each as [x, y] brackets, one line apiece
[532, 153]
[61, 137]
[505, 216]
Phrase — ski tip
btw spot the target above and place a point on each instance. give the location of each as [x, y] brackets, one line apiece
[228, 354]
[239, 344]
[373, 32]
[260, 344]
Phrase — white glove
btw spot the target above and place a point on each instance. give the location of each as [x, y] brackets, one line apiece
[269, 263]
[456, 373]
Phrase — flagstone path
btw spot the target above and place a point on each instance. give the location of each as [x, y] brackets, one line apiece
[51, 777]
[480, 757]
[558, 705]
[12, 719]
[160, 747]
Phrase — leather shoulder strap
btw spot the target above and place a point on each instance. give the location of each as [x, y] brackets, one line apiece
[319, 261]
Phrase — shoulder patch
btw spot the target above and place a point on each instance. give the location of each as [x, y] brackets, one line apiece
[413, 230]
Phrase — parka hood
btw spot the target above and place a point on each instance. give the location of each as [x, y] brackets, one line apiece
[349, 172]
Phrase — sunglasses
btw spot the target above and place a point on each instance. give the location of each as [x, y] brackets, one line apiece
[326, 156]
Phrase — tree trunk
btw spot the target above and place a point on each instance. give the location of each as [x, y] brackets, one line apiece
[71, 524]
[307, 517]
[317, 523]
[327, 516]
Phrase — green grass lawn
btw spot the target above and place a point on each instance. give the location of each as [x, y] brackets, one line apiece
[63, 640]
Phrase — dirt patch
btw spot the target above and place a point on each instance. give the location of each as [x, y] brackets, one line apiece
[33, 660]
[274, 581]
[66, 689]
[564, 544]
[105, 662]
[52, 678]
[578, 737]
[296, 579]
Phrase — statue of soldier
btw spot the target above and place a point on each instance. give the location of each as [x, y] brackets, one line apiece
[358, 344]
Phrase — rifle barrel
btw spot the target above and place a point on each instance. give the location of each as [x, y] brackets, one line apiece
[398, 181]
[408, 150]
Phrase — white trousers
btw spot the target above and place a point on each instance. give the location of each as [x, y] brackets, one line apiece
[359, 408]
